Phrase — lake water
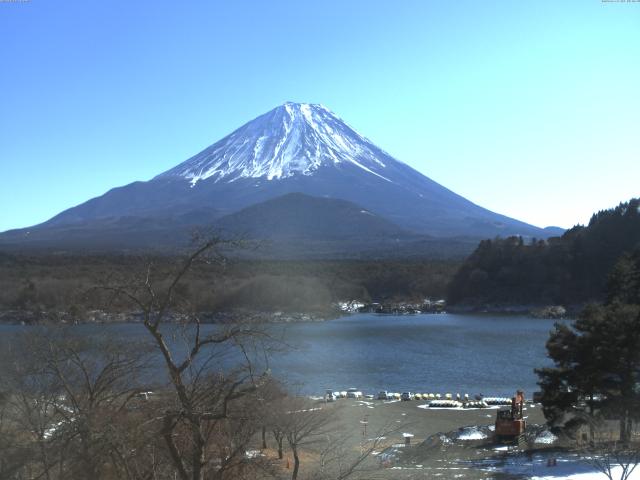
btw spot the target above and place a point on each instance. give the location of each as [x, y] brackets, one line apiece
[488, 354]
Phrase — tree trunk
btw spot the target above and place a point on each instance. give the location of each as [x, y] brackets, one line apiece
[89, 466]
[591, 428]
[176, 458]
[264, 437]
[623, 428]
[296, 464]
[45, 458]
[280, 454]
[198, 451]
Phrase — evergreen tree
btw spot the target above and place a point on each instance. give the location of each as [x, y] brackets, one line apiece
[624, 280]
[597, 359]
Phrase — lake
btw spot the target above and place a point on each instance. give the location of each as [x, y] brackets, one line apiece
[438, 353]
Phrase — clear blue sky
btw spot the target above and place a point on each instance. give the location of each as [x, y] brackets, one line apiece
[529, 108]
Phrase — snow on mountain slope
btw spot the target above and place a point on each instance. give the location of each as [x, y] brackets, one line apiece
[292, 139]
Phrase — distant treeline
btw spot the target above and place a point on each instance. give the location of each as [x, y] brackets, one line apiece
[571, 270]
[568, 270]
[66, 283]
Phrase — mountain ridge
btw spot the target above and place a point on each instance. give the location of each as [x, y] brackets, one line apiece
[292, 148]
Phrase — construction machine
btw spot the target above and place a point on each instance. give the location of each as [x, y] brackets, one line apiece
[510, 424]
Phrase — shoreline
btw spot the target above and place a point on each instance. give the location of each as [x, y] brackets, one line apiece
[545, 311]
[33, 318]
[30, 317]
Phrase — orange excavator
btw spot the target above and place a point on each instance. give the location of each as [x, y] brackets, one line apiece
[510, 424]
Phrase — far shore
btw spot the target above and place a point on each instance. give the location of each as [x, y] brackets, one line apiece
[43, 317]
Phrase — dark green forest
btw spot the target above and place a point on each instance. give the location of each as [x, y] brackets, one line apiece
[48, 283]
[570, 270]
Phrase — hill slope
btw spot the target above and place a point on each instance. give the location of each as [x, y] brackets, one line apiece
[298, 226]
[296, 215]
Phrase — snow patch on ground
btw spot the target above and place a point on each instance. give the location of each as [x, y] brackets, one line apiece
[546, 438]
[253, 454]
[567, 467]
[428, 407]
[471, 433]
[305, 410]
[616, 472]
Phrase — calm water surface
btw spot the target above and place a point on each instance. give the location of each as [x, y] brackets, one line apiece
[472, 354]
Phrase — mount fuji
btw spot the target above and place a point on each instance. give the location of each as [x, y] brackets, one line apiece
[296, 148]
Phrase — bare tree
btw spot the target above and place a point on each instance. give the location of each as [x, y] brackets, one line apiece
[608, 453]
[68, 398]
[28, 413]
[14, 450]
[336, 463]
[279, 436]
[204, 390]
[303, 424]
[271, 395]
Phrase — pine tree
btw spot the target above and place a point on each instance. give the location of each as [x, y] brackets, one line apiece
[624, 280]
[596, 359]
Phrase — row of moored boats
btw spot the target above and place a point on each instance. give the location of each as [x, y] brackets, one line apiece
[436, 400]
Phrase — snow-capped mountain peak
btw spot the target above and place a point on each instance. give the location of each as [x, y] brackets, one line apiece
[292, 139]
[303, 155]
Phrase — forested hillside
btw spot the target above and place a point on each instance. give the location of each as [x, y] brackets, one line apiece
[569, 270]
